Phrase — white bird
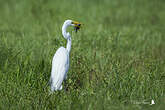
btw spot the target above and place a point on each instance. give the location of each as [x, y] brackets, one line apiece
[152, 102]
[60, 62]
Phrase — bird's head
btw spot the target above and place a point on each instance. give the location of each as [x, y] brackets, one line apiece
[75, 24]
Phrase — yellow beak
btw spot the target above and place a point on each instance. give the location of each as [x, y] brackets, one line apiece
[77, 25]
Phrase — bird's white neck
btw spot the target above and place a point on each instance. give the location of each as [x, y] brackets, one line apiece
[68, 46]
[67, 36]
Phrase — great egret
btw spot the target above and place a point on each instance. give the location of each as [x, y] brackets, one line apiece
[60, 63]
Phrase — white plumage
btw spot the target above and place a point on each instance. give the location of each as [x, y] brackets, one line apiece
[60, 66]
[60, 62]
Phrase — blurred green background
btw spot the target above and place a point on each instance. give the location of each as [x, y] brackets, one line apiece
[117, 59]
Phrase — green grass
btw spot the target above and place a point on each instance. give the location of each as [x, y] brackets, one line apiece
[117, 59]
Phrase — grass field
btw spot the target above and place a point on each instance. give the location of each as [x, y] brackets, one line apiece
[117, 61]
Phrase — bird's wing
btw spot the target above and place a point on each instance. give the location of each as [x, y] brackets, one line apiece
[59, 67]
